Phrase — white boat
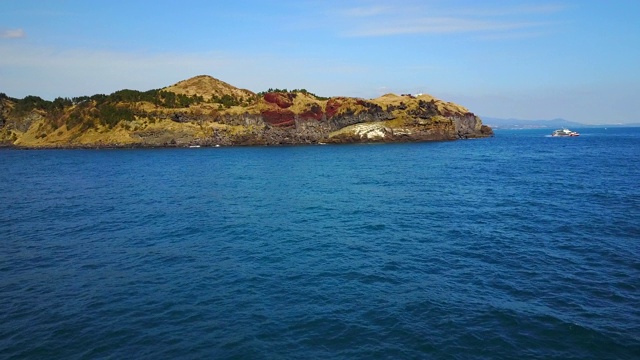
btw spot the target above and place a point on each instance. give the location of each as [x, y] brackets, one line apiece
[564, 132]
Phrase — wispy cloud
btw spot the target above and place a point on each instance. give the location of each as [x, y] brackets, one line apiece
[12, 34]
[522, 10]
[50, 72]
[513, 35]
[409, 18]
[437, 25]
[366, 11]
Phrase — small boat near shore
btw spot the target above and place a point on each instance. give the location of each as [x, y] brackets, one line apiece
[564, 132]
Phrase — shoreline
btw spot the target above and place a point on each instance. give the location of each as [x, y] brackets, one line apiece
[202, 146]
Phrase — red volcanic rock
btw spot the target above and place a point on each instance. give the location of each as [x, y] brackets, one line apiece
[279, 117]
[333, 105]
[283, 100]
[315, 112]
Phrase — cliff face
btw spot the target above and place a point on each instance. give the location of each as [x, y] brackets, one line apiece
[205, 111]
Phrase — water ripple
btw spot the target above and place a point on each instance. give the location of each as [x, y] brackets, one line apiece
[465, 250]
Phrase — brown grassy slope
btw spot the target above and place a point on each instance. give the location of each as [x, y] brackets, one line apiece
[411, 102]
[207, 87]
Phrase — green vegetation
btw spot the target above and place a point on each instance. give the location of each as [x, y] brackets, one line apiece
[30, 103]
[226, 100]
[303, 91]
[111, 115]
[157, 97]
[74, 120]
[61, 103]
[79, 100]
[107, 110]
[127, 95]
[169, 99]
[99, 98]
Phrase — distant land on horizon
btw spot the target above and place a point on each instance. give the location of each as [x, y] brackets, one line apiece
[498, 123]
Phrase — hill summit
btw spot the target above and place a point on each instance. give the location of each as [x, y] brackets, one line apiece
[208, 87]
[204, 111]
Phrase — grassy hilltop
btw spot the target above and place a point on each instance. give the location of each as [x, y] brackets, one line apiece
[206, 111]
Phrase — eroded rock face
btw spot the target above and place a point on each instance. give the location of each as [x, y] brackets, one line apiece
[468, 126]
[372, 131]
[338, 122]
[486, 131]
[425, 110]
[280, 118]
[27, 121]
[333, 106]
[283, 100]
[314, 112]
[2, 113]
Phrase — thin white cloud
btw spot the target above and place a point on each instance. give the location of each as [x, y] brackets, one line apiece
[408, 18]
[365, 11]
[12, 34]
[50, 72]
[514, 35]
[513, 10]
[439, 26]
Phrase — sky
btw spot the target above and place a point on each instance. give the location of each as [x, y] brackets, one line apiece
[572, 59]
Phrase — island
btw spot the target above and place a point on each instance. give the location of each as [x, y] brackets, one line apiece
[204, 111]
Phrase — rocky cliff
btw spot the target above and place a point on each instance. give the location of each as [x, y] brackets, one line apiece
[208, 112]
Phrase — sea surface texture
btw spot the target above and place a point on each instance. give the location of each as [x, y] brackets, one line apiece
[518, 246]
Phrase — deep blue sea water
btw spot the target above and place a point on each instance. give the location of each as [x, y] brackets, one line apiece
[518, 246]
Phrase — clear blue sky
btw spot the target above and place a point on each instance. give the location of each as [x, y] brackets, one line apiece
[575, 59]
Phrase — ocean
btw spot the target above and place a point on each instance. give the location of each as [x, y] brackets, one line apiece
[517, 246]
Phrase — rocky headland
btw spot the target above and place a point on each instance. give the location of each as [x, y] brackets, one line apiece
[205, 111]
